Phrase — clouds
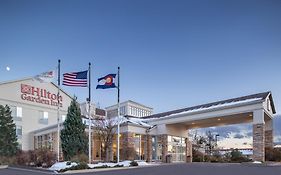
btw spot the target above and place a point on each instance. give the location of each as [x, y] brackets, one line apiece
[239, 135]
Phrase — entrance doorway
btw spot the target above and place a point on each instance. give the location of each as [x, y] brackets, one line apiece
[177, 148]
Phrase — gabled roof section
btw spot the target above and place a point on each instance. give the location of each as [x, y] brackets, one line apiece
[248, 98]
[271, 102]
[30, 78]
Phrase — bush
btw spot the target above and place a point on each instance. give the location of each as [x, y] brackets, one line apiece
[236, 156]
[103, 166]
[47, 158]
[22, 158]
[134, 163]
[80, 166]
[80, 158]
[197, 156]
[273, 154]
[7, 160]
[37, 158]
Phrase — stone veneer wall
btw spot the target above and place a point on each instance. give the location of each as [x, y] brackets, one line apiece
[164, 141]
[188, 150]
[128, 148]
[148, 147]
[259, 142]
[269, 138]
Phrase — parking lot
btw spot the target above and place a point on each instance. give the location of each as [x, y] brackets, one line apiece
[170, 169]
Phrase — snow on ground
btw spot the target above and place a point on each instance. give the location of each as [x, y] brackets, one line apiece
[257, 162]
[61, 165]
[142, 163]
[125, 163]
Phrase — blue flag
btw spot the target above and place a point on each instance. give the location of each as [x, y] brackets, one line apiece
[106, 82]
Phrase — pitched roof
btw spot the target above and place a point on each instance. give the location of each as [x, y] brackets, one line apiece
[261, 96]
[30, 78]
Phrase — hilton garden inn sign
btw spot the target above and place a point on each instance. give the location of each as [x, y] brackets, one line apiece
[40, 95]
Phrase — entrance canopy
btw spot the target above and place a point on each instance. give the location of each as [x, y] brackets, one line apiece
[257, 109]
[226, 112]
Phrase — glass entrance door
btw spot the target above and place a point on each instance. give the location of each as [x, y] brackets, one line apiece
[176, 148]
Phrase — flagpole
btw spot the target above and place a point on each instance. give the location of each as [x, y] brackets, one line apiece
[90, 121]
[58, 113]
[118, 115]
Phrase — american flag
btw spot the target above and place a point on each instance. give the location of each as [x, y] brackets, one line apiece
[75, 79]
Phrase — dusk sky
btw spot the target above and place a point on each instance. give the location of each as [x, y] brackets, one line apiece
[172, 54]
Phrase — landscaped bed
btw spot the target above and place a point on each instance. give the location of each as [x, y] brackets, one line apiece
[67, 165]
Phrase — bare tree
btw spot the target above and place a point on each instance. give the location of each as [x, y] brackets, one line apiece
[106, 130]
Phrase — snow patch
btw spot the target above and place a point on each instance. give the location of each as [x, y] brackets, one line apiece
[142, 163]
[61, 165]
[125, 163]
[257, 162]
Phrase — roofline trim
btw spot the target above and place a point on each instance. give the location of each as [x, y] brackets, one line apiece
[176, 115]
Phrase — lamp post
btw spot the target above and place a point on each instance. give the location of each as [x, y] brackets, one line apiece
[217, 135]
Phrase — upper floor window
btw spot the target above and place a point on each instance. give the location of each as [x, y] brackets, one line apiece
[18, 130]
[43, 117]
[16, 112]
[63, 117]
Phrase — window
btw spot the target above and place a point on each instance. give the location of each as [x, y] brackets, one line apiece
[20, 146]
[63, 117]
[19, 112]
[19, 131]
[16, 112]
[122, 110]
[43, 117]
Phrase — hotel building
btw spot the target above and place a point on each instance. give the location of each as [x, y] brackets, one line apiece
[143, 135]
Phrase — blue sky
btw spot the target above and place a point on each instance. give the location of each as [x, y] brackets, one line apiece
[172, 54]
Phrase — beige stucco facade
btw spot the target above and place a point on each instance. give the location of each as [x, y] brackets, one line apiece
[38, 108]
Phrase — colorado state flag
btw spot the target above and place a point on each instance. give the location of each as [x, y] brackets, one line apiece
[106, 82]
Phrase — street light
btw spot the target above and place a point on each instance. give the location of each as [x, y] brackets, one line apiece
[217, 135]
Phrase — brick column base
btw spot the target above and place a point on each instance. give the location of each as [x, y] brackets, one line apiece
[259, 142]
[164, 141]
[188, 151]
[269, 139]
[148, 150]
[128, 148]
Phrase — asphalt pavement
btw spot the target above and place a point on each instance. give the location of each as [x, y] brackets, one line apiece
[170, 169]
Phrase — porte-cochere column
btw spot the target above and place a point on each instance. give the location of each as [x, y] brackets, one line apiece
[188, 150]
[268, 133]
[258, 136]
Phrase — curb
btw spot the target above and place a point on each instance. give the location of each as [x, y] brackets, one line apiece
[104, 169]
[96, 170]
[30, 168]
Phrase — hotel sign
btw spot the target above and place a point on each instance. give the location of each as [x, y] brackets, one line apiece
[39, 95]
